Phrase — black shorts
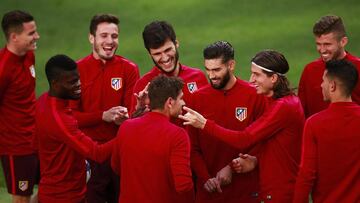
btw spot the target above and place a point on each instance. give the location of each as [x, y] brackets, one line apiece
[21, 173]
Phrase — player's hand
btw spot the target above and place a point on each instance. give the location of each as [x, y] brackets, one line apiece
[224, 176]
[244, 163]
[142, 98]
[114, 112]
[141, 111]
[193, 118]
[212, 185]
[122, 116]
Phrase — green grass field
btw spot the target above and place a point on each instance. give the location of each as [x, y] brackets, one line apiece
[249, 25]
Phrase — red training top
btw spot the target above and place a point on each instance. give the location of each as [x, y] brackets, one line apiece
[234, 109]
[152, 157]
[103, 86]
[17, 103]
[62, 151]
[330, 165]
[279, 132]
[192, 77]
[310, 92]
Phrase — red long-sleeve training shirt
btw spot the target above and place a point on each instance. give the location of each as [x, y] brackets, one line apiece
[62, 151]
[330, 165]
[152, 156]
[279, 131]
[103, 85]
[234, 109]
[310, 92]
[17, 102]
[193, 78]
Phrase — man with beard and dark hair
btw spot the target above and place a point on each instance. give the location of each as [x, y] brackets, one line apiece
[107, 82]
[277, 132]
[160, 41]
[234, 104]
[331, 39]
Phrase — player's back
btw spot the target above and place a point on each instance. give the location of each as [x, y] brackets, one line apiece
[148, 167]
[336, 132]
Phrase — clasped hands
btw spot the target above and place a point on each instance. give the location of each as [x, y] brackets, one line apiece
[116, 114]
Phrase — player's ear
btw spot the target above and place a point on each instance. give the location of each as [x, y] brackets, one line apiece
[91, 38]
[54, 84]
[176, 43]
[343, 41]
[13, 37]
[332, 86]
[232, 65]
[274, 78]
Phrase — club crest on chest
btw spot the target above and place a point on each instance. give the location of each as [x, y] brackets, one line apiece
[241, 113]
[192, 87]
[116, 83]
[32, 71]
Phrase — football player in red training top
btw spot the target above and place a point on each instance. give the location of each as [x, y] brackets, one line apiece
[62, 146]
[234, 104]
[330, 162]
[331, 39]
[277, 132]
[17, 104]
[151, 154]
[107, 82]
[160, 41]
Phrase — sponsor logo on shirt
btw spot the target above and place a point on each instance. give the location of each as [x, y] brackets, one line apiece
[23, 185]
[241, 113]
[116, 83]
[32, 71]
[192, 87]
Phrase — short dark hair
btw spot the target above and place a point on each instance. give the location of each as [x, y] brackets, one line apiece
[328, 24]
[345, 72]
[56, 65]
[102, 18]
[276, 62]
[219, 49]
[156, 33]
[13, 21]
[161, 88]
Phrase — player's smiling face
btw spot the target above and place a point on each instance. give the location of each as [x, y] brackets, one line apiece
[218, 72]
[330, 46]
[26, 40]
[106, 40]
[166, 57]
[264, 84]
[69, 85]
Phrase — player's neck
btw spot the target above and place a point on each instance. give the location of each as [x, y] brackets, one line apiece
[13, 49]
[340, 98]
[342, 55]
[162, 111]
